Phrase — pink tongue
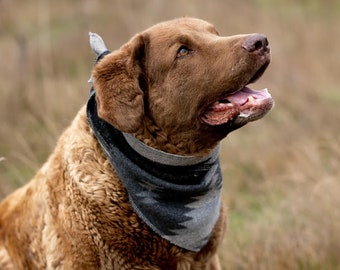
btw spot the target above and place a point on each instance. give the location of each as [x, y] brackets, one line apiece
[240, 97]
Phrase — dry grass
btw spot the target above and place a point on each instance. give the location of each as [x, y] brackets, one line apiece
[282, 176]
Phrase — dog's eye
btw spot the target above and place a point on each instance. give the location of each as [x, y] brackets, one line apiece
[183, 51]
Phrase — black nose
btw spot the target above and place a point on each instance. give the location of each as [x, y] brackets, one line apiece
[256, 42]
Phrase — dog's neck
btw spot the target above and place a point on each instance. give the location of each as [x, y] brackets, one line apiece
[178, 197]
[178, 142]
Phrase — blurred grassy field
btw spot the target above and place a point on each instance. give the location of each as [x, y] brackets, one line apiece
[281, 174]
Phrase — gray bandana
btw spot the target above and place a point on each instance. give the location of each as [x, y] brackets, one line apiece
[178, 197]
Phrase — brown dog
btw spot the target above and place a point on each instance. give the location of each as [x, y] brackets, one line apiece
[134, 182]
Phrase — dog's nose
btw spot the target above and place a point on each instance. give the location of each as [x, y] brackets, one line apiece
[256, 42]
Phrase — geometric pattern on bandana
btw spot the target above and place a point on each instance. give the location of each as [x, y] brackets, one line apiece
[179, 203]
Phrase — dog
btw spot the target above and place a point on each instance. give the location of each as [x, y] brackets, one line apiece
[135, 181]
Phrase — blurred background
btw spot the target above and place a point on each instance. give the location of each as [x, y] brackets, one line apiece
[281, 174]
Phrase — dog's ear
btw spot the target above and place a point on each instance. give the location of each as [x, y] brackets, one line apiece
[118, 79]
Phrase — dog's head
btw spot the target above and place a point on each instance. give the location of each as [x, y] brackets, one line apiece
[180, 83]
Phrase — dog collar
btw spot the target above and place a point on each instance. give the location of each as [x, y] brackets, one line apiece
[178, 197]
[166, 158]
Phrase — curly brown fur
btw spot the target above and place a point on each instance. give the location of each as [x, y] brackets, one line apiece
[75, 213]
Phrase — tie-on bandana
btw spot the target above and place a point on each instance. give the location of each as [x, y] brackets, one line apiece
[178, 197]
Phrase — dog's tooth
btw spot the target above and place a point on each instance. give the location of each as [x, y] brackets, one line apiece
[251, 99]
[244, 115]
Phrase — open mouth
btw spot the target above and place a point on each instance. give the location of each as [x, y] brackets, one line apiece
[240, 107]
